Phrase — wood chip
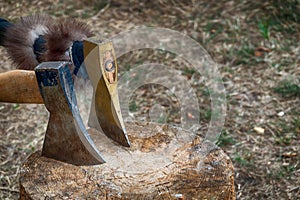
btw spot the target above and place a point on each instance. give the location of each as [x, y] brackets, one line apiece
[280, 114]
[259, 130]
[289, 154]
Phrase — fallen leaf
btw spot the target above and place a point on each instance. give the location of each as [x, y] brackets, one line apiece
[263, 49]
[258, 54]
[259, 51]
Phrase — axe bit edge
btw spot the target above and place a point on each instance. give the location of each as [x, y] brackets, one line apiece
[101, 65]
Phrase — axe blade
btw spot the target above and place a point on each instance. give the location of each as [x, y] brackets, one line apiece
[66, 137]
[101, 65]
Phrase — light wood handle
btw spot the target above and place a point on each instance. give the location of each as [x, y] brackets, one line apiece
[19, 86]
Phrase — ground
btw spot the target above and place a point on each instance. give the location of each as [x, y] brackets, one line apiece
[257, 48]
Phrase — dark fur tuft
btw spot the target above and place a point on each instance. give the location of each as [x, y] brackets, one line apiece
[4, 25]
[20, 39]
[61, 36]
[58, 36]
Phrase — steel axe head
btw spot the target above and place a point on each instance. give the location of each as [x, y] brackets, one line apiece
[101, 66]
[66, 137]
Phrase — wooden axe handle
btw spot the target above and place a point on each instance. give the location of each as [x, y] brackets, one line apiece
[19, 86]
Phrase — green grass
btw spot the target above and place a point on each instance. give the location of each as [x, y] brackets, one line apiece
[287, 131]
[240, 160]
[283, 63]
[288, 88]
[283, 140]
[264, 28]
[284, 172]
[287, 10]
[188, 71]
[214, 29]
[296, 125]
[99, 4]
[225, 139]
[205, 92]
[133, 106]
[207, 114]
[127, 67]
[162, 119]
[16, 106]
[245, 54]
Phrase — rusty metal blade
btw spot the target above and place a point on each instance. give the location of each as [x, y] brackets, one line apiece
[101, 65]
[66, 137]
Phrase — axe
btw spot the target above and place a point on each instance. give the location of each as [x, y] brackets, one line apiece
[20, 86]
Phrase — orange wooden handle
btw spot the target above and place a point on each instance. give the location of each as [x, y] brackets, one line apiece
[19, 86]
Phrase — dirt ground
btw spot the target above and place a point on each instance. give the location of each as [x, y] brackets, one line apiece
[257, 47]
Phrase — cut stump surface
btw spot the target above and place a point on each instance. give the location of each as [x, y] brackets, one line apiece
[163, 162]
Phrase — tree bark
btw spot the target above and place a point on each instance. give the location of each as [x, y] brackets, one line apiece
[163, 162]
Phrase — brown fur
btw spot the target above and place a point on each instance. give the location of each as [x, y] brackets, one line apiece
[62, 35]
[19, 41]
[59, 36]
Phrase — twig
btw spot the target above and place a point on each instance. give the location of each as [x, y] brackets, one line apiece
[9, 190]
[104, 9]
[292, 189]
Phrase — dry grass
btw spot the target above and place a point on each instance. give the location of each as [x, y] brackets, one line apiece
[258, 49]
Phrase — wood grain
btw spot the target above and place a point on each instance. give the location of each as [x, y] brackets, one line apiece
[160, 164]
[19, 86]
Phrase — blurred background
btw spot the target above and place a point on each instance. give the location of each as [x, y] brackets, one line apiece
[257, 47]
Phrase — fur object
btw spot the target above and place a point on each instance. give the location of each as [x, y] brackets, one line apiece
[57, 34]
[61, 36]
[19, 40]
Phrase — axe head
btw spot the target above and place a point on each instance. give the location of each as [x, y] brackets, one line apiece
[66, 137]
[101, 66]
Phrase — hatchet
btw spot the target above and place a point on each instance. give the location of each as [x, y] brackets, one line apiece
[101, 66]
[66, 137]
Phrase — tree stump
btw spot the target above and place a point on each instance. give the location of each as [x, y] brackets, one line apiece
[163, 162]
